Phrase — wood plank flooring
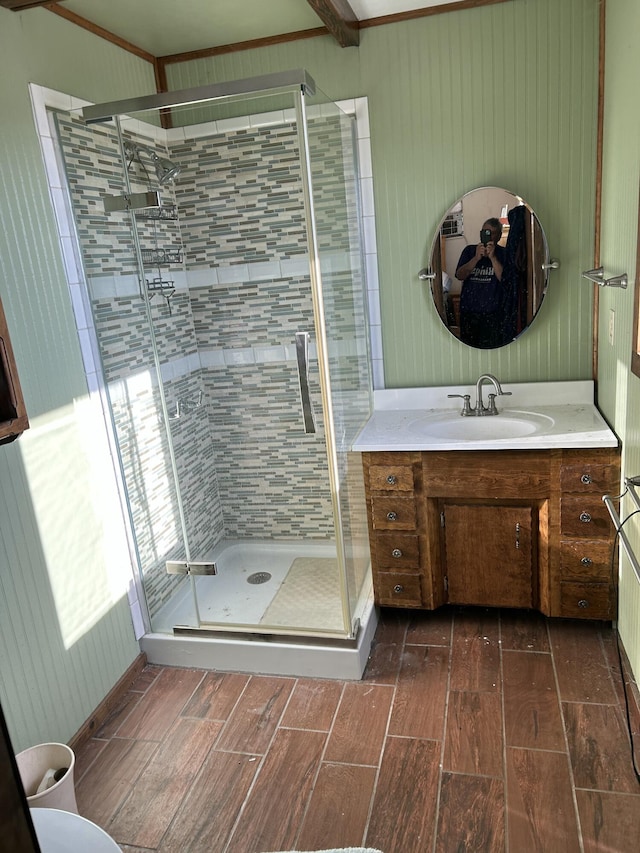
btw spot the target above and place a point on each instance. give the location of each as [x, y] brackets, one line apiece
[472, 730]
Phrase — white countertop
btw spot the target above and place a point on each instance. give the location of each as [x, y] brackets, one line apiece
[417, 419]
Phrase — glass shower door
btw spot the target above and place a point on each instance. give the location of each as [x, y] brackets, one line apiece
[238, 352]
[337, 221]
[225, 281]
[115, 225]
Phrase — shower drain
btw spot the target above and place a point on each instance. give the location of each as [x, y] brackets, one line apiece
[259, 577]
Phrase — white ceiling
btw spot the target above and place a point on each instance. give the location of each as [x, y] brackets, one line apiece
[165, 27]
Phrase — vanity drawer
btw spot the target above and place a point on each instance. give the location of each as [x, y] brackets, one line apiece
[394, 551]
[391, 478]
[393, 512]
[586, 601]
[397, 589]
[590, 478]
[585, 560]
[585, 517]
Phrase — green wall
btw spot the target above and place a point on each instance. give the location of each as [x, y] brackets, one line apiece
[618, 388]
[503, 95]
[65, 629]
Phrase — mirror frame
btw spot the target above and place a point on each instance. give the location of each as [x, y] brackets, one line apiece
[435, 270]
[635, 340]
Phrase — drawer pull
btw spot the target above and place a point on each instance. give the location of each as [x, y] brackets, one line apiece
[586, 479]
[397, 553]
[392, 516]
[586, 561]
[398, 588]
[585, 517]
[391, 479]
[583, 602]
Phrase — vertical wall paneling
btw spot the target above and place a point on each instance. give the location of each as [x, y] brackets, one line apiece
[503, 95]
[618, 388]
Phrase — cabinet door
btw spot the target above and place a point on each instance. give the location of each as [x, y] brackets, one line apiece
[489, 554]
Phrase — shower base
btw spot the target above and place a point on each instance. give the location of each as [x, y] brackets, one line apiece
[229, 598]
[227, 601]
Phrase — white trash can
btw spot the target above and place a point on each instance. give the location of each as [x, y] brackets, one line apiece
[38, 762]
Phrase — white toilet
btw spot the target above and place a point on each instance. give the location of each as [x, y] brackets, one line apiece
[66, 832]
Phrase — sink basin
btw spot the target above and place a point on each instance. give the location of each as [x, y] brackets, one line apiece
[509, 424]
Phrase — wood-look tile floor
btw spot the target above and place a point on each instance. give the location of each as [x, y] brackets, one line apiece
[472, 730]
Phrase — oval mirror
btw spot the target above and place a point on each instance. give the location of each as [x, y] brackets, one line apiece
[489, 267]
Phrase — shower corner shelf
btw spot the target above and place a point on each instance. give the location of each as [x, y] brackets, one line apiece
[163, 286]
[171, 255]
[165, 212]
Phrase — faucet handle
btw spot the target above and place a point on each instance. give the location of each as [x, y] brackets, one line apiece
[466, 405]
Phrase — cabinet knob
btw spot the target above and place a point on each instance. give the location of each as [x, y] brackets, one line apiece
[586, 561]
[397, 553]
[398, 588]
[391, 479]
[585, 517]
[583, 602]
[586, 479]
[392, 515]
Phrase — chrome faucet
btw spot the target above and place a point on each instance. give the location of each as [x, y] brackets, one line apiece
[480, 408]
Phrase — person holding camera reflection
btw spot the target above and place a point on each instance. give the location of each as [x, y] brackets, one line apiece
[482, 299]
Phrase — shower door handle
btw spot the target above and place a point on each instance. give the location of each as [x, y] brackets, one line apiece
[302, 356]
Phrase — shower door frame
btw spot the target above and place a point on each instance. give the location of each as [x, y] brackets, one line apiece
[299, 84]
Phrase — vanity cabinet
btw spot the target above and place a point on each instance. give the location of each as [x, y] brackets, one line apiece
[13, 415]
[523, 529]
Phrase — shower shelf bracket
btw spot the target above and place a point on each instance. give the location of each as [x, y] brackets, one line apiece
[164, 212]
[597, 276]
[186, 405]
[171, 255]
[131, 201]
[163, 287]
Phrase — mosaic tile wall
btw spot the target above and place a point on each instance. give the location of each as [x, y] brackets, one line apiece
[225, 330]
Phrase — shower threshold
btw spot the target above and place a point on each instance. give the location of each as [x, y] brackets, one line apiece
[252, 634]
[298, 657]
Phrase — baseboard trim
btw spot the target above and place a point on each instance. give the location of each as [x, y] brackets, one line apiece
[104, 709]
[630, 687]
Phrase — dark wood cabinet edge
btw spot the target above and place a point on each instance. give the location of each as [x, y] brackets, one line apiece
[13, 427]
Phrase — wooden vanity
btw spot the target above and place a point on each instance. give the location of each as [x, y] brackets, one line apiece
[495, 528]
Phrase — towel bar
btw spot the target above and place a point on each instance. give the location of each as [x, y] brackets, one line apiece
[597, 277]
[630, 488]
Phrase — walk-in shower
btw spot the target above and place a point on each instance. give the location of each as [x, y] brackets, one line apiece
[220, 235]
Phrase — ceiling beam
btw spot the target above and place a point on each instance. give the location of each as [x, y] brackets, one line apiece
[19, 5]
[340, 19]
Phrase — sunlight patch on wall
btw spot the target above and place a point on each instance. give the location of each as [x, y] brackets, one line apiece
[78, 514]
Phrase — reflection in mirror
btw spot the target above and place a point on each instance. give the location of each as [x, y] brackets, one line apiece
[489, 267]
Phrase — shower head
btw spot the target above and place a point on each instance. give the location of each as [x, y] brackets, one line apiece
[166, 170]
